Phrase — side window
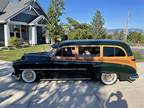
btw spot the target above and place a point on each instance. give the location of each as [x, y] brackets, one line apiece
[66, 52]
[108, 51]
[89, 51]
[111, 52]
[119, 52]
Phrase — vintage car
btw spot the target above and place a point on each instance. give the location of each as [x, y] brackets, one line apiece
[106, 60]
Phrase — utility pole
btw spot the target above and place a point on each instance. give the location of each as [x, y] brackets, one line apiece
[126, 31]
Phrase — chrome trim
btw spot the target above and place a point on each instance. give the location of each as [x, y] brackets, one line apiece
[15, 77]
[66, 79]
[133, 77]
[57, 69]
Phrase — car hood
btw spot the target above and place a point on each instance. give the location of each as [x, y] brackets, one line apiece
[36, 56]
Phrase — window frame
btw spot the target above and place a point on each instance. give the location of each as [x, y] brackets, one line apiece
[62, 52]
[112, 46]
[87, 47]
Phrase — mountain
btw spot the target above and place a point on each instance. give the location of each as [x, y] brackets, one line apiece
[112, 31]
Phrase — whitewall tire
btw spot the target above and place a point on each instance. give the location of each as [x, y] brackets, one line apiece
[109, 78]
[29, 76]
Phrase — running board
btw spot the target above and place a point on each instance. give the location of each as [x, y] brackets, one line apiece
[65, 79]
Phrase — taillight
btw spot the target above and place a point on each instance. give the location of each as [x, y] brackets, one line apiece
[133, 59]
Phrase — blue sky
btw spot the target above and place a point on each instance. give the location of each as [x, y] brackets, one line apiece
[114, 12]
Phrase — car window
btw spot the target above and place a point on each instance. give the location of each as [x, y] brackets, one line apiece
[66, 52]
[119, 52]
[89, 51]
[112, 51]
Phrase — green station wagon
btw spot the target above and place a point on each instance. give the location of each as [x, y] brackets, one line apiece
[106, 60]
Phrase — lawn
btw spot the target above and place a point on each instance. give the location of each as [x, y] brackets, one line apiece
[139, 54]
[11, 55]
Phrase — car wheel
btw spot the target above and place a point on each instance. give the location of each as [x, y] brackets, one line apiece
[29, 76]
[108, 78]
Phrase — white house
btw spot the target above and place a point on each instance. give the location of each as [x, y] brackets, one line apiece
[24, 19]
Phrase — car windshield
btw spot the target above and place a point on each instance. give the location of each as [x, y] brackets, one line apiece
[52, 52]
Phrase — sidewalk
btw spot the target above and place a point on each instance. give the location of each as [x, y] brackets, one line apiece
[3, 62]
[140, 67]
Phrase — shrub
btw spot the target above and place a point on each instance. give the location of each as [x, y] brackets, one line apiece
[14, 42]
[137, 55]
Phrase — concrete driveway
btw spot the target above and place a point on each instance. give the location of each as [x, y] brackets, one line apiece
[68, 94]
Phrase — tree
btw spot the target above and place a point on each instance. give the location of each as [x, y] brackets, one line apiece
[98, 26]
[119, 35]
[76, 30]
[73, 23]
[54, 13]
[136, 38]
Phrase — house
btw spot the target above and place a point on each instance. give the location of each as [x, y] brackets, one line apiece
[24, 19]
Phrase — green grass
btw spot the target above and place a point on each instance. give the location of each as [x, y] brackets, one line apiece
[12, 55]
[138, 56]
[140, 59]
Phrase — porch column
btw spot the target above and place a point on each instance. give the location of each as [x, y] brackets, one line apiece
[6, 34]
[33, 35]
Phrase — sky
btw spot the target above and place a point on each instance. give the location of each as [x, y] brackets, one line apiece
[114, 12]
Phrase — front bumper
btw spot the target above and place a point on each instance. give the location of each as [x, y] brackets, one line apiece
[14, 76]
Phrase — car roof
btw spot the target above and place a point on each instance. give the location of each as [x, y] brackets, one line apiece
[94, 42]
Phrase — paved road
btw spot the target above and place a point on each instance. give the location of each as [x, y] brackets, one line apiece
[68, 94]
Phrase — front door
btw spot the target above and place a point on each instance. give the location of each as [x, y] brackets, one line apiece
[64, 62]
[40, 37]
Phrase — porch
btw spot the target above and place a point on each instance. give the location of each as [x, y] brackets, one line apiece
[32, 33]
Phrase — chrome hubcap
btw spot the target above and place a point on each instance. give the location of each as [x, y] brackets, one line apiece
[28, 76]
[108, 77]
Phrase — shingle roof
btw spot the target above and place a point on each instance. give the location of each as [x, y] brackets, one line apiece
[12, 8]
[3, 4]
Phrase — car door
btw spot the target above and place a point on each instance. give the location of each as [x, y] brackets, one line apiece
[88, 58]
[63, 62]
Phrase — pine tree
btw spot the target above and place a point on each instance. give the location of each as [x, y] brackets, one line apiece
[54, 13]
[98, 26]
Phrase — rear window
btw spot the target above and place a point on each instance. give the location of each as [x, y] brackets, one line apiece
[112, 51]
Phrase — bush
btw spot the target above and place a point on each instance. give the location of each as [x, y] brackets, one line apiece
[137, 55]
[14, 42]
[136, 38]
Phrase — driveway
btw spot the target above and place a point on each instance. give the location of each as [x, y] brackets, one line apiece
[68, 94]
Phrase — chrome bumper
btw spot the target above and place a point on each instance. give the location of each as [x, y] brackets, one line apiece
[15, 76]
[133, 77]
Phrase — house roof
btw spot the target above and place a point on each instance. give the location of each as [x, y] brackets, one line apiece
[13, 8]
[3, 4]
[36, 20]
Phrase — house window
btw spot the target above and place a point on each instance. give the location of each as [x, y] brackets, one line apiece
[15, 30]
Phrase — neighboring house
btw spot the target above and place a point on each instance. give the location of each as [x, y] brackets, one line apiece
[24, 19]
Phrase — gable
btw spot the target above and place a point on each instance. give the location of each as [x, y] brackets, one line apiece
[25, 16]
[16, 11]
[39, 9]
